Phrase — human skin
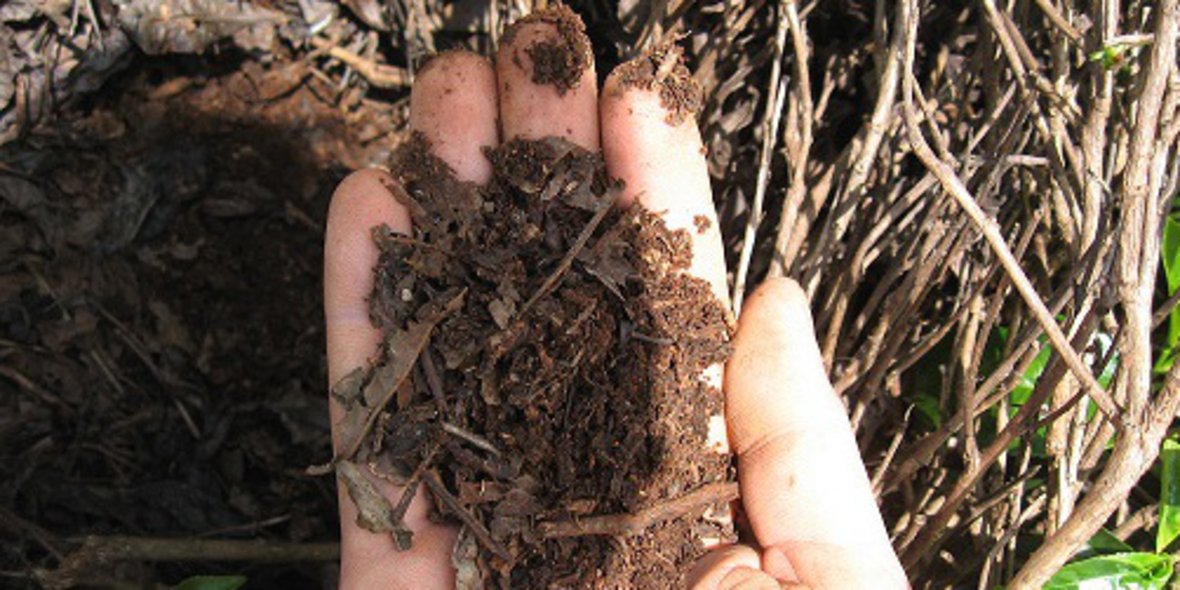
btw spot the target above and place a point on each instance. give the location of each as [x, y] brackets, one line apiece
[803, 485]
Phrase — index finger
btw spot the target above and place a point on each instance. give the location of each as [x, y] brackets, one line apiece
[452, 104]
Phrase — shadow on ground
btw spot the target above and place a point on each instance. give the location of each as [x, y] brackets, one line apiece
[161, 340]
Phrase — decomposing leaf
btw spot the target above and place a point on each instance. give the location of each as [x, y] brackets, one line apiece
[464, 558]
[404, 348]
[372, 12]
[347, 390]
[191, 26]
[374, 512]
[502, 312]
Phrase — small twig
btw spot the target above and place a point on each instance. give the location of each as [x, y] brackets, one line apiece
[98, 552]
[110, 549]
[983, 505]
[580, 243]
[470, 437]
[248, 527]
[47, 540]
[890, 453]
[477, 528]
[987, 226]
[378, 74]
[1142, 519]
[1165, 310]
[392, 236]
[434, 381]
[1058, 20]
[618, 525]
[798, 141]
[640, 336]
[775, 99]
[360, 419]
[403, 503]
[1035, 507]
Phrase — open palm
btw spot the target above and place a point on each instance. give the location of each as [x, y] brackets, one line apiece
[803, 484]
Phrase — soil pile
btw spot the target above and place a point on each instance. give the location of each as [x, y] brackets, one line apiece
[560, 414]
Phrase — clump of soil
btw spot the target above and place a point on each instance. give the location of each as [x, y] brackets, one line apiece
[560, 61]
[663, 69]
[560, 412]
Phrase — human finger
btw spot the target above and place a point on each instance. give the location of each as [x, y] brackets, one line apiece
[546, 80]
[803, 483]
[651, 142]
[453, 103]
[361, 202]
[732, 567]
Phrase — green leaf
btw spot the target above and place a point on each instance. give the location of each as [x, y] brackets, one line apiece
[1104, 543]
[1121, 571]
[927, 405]
[212, 583]
[1170, 260]
[1170, 253]
[1169, 527]
[1028, 381]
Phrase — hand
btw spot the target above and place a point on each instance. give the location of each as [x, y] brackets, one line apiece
[803, 485]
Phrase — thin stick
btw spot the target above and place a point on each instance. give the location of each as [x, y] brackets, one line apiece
[477, 528]
[568, 259]
[617, 525]
[770, 123]
[991, 232]
[47, 540]
[378, 74]
[403, 504]
[118, 548]
[890, 453]
[1058, 20]
[470, 437]
[360, 419]
[799, 141]
[101, 551]
[434, 381]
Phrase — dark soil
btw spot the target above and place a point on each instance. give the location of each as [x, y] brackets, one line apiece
[161, 339]
[663, 69]
[559, 61]
[560, 412]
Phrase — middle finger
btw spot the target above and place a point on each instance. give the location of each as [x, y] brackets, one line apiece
[546, 79]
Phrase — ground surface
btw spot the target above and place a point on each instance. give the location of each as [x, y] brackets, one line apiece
[160, 296]
[164, 178]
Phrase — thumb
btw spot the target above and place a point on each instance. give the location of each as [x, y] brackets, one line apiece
[803, 482]
[735, 567]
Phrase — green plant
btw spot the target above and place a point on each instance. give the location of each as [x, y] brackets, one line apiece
[1115, 565]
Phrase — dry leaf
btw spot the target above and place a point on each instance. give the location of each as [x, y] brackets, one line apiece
[374, 512]
[347, 390]
[404, 348]
[464, 558]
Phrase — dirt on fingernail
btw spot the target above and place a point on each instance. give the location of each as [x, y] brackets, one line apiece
[662, 68]
[560, 60]
[557, 412]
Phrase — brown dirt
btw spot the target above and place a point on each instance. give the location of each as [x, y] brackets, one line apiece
[161, 339]
[562, 60]
[566, 386]
[663, 69]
